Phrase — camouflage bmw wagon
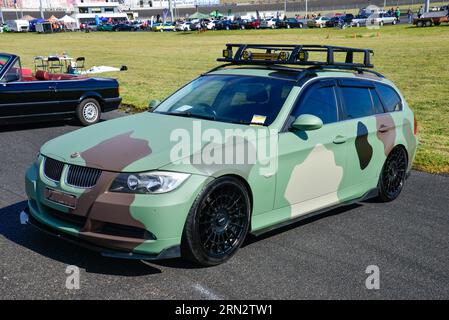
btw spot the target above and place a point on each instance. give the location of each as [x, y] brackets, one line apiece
[274, 134]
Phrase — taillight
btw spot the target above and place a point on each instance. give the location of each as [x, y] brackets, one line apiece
[415, 125]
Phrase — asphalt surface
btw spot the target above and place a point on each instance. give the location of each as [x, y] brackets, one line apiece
[319, 258]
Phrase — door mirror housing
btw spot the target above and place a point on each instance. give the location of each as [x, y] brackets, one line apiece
[10, 77]
[307, 122]
[153, 104]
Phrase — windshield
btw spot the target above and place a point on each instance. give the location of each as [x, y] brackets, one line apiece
[230, 98]
[3, 61]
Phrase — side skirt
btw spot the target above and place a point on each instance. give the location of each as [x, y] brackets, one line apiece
[369, 195]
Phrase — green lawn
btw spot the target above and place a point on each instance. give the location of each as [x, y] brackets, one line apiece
[415, 59]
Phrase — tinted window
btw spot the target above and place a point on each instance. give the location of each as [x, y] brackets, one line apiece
[378, 108]
[319, 101]
[390, 98]
[357, 102]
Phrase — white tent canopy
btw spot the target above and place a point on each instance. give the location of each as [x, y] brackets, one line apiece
[69, 22]
[67, 19]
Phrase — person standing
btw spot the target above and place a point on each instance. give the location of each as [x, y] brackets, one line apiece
[420, 12]
[410, 16]
[398, 14]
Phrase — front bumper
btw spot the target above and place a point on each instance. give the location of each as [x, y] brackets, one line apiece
[168, 253]
[115, 224]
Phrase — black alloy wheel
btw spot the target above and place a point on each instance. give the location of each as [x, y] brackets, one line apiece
[393, 175]
[217, 223]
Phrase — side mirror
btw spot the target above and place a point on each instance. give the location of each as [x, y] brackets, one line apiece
[306, 122]
[153, 104]
[10, 77]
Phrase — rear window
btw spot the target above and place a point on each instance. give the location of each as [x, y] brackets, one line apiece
[390, 98]
[357, 102]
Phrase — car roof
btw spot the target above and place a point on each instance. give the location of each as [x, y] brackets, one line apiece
[293, 74]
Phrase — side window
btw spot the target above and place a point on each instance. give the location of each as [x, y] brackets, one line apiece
[15, 70]
[378, 107]
[391, 99]
[319, 101]
[357, 102]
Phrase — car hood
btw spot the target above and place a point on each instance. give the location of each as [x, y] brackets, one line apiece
[134, 143]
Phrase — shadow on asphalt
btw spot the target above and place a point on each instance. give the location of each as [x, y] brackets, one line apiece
[65, 252]
[252, 238]
[93, 262]
[42, 125]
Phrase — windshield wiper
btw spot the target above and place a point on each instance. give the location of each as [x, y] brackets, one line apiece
[188, 114]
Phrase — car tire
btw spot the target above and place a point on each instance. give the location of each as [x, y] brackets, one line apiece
[227, 27]
[381, 23]
[288, 26]
[212, 232]
[394, 22]
[393, 175]
[88, 112]
[273, 27]
[420, 24]
[301, 26]
[428, 23]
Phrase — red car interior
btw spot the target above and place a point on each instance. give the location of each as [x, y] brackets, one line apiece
[42, 75]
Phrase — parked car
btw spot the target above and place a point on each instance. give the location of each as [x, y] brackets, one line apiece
[120, 187]
[382, 19]
[46, 96]
[91, 26]
[319, 22]
[340, 21]
[223, 25]
[125, 27]
[359, 21]
[238, 24]
[161, 27]
[211, 25]
[195, 25]
[184, 26]
[105, 27]
[252, 24]
[269, 23]
[293, 23]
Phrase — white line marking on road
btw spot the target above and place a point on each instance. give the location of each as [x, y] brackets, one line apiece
[206, 292]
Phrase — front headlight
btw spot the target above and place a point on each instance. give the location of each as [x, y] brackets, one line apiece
[148, 182]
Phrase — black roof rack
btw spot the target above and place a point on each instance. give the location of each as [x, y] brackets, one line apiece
[249, 54]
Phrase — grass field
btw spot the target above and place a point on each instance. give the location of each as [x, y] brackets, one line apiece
[416, 59]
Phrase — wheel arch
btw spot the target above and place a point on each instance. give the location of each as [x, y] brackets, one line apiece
[396, 146]
[401, 146]
[246, 185]
[93, 95]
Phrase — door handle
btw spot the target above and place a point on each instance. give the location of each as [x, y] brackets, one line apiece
[339, 139]
[383, 128]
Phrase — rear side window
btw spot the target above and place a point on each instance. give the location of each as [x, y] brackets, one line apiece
[357, 102]
[390, 98]
[378, 108]
[319, 101]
